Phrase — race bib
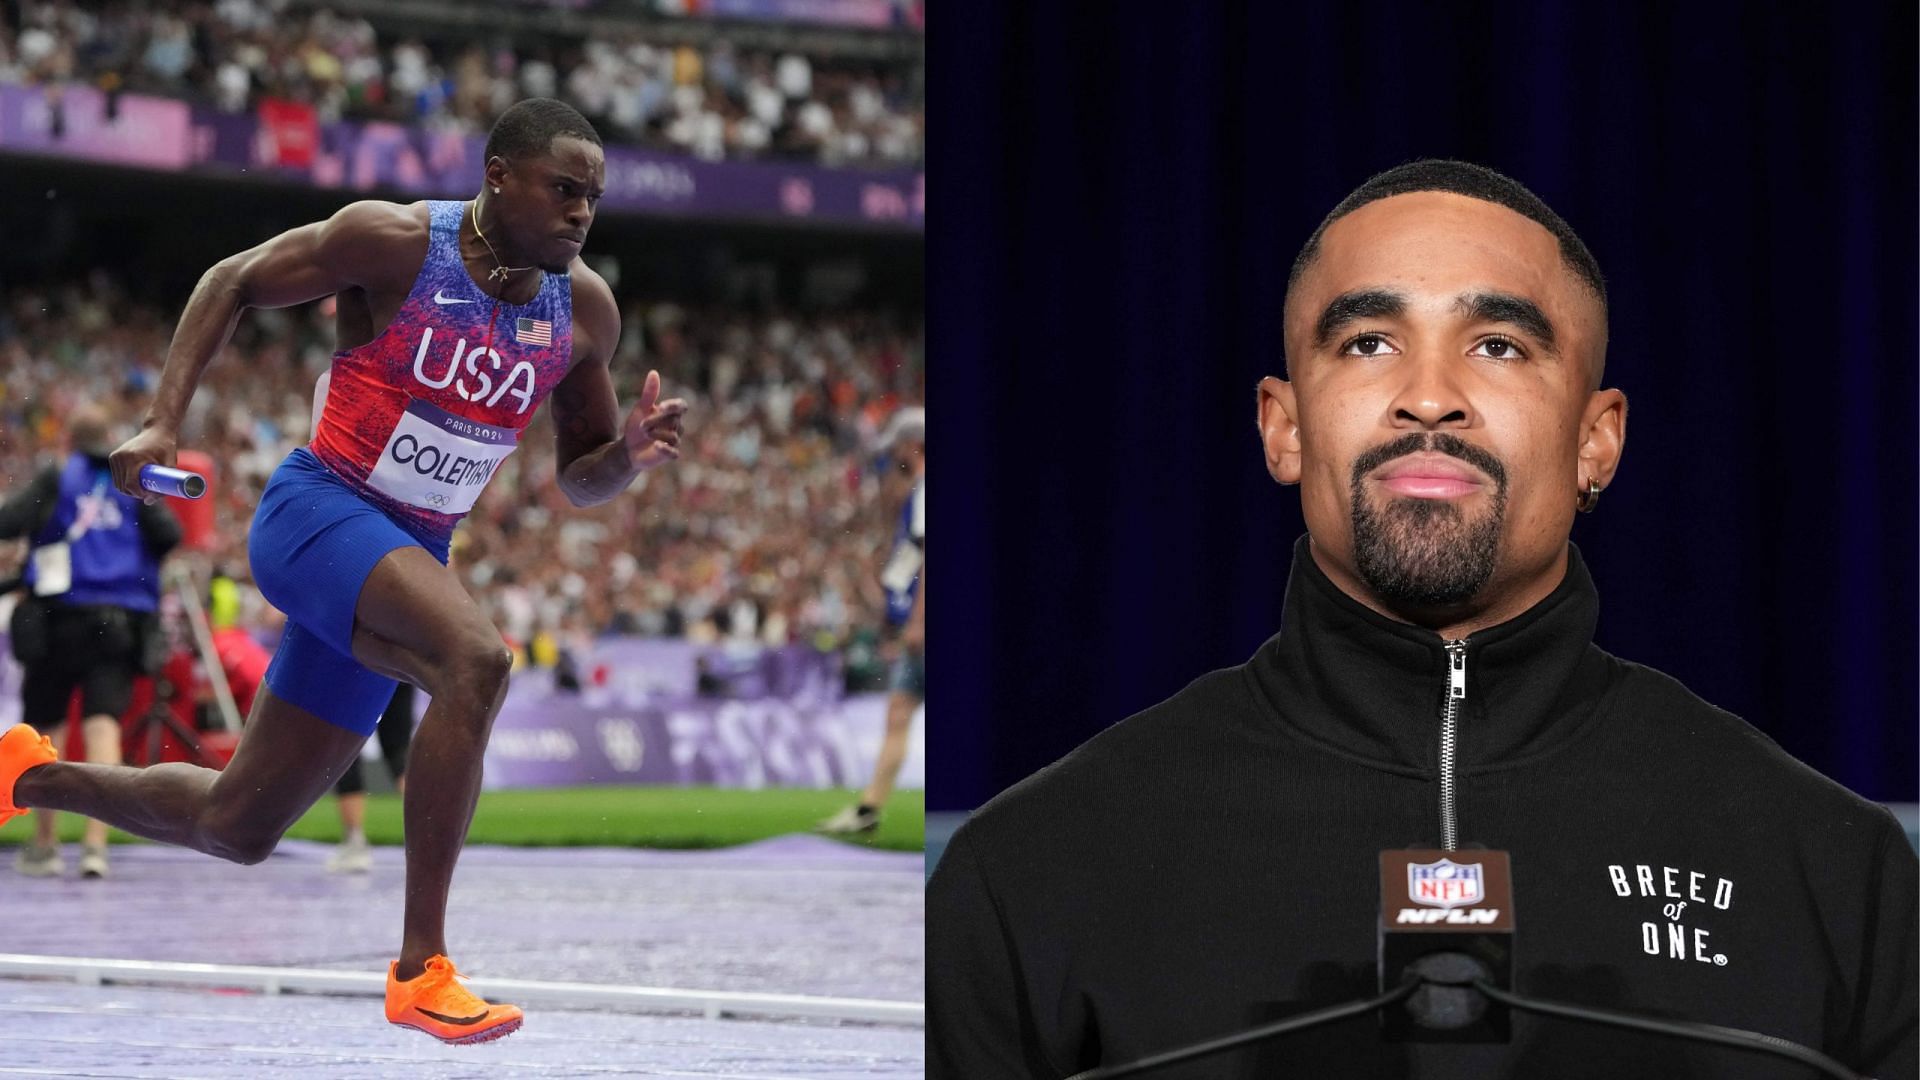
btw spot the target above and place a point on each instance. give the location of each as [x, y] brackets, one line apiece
[438, 461]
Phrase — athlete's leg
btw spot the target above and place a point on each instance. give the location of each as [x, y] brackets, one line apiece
[286, 760]
[893, 748]
[416, 622]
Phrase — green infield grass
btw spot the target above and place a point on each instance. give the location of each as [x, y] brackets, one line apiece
[657, 817]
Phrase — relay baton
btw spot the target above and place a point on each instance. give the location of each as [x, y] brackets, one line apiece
[177, 482]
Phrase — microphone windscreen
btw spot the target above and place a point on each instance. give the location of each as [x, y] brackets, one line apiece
[1446, 916]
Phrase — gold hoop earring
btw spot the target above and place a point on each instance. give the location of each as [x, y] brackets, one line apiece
[1588, 499]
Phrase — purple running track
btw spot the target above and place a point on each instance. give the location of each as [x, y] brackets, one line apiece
[798, 915]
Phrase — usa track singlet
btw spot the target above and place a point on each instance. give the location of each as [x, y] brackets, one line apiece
[420, 418]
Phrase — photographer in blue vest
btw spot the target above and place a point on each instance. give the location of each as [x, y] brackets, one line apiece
[89, 616]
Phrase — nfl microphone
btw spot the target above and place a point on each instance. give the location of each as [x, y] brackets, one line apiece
[1446, 955]
[1447, 923]
[1446, 918]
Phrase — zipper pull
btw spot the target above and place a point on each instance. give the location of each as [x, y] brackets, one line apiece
[1457, 669]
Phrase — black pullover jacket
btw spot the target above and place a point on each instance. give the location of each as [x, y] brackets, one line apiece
[1211, 864]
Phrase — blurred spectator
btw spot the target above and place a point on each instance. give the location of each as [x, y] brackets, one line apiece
[90, 619]
[768, 528]
[713, 103]
[904, 441]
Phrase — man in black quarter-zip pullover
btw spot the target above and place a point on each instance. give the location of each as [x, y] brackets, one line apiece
[1211, 863]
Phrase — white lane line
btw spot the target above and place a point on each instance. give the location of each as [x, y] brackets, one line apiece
[43, 1071]
[359, 1030]
[713, 1004]
[362, 1057]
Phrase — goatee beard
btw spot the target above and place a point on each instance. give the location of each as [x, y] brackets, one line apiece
[1426, 553]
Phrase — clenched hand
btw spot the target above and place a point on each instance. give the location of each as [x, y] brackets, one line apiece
[153, 446]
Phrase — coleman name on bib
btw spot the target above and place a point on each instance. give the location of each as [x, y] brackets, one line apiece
[438, 461]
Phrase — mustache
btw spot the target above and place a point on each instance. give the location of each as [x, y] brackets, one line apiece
[1415, 442]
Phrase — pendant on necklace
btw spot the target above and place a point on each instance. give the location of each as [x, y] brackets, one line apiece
[498, 273]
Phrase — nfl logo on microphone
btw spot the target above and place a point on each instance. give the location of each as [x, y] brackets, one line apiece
[1445, 883]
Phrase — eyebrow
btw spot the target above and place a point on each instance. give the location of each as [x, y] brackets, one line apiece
[1497, 307]
[1508, 308]
[576, 182]
[1360, 304]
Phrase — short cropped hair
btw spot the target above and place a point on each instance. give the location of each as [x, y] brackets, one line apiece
[528, 128]
[1473, 181]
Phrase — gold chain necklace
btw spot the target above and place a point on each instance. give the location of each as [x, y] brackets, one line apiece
[499, 272]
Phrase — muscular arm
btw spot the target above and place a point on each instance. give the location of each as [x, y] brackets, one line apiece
[595, 457]
[368, 244]
[591, 457]
[592, 476]
[362, 244]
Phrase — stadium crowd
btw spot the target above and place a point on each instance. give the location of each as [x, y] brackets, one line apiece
[713, 103]
[771, 528]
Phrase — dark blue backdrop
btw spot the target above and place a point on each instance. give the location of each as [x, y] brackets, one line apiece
[1119, 198]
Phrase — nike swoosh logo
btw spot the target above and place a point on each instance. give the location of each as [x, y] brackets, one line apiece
[441, 297]
[474, 1019]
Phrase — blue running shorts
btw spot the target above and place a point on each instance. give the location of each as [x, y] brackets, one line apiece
[314, 542]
